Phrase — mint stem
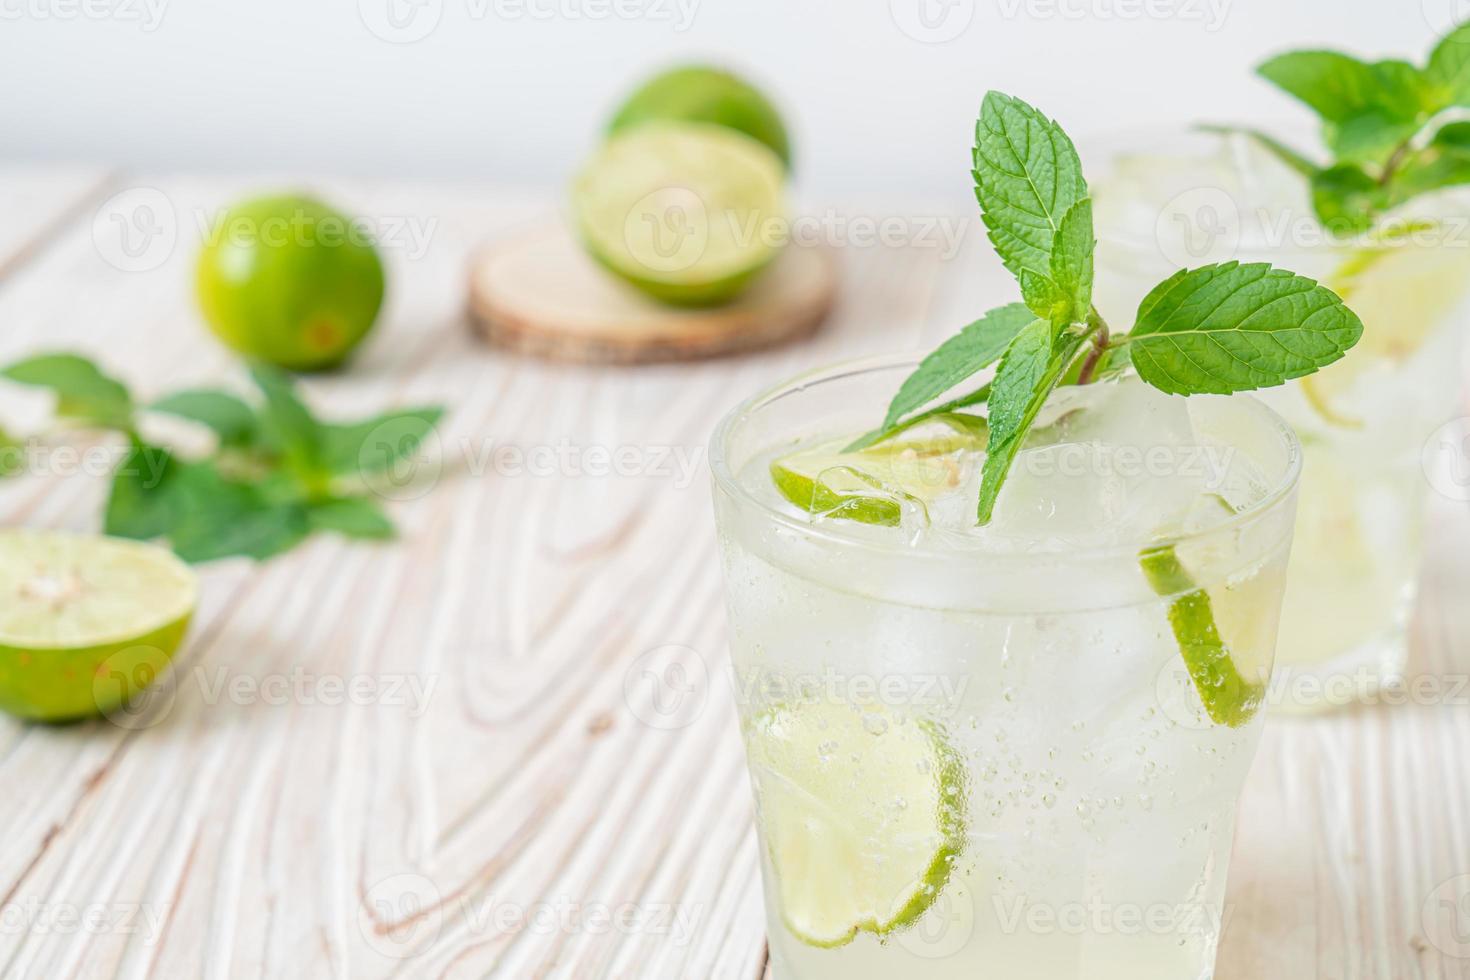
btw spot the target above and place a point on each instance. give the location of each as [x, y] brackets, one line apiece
[1100, 339]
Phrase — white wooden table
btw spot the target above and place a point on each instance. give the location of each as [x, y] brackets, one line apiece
[514, 779]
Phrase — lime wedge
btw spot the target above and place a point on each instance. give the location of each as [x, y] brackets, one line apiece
[86, 622]
[688, 212]
[1208, 640]
[870, 485]
[863, 814]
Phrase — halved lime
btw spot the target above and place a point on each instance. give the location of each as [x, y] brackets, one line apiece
[872, 484]
[688, 212]
[86, 622]
[700, 93]
[863, 815]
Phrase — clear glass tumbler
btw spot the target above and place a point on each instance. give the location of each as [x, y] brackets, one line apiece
[1183, 200]
[976, 764]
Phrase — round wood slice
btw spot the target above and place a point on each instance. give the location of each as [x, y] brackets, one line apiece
[542, 294]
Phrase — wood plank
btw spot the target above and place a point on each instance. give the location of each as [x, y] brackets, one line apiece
[38, 202]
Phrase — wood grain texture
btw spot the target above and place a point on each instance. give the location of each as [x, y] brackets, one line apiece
[544, 778]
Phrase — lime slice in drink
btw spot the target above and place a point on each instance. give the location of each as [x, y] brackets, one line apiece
[688, 212]
[86, 622]
[1221, 638]
[1403, 293]
[863, 813]
[871, 485]
[699, 93]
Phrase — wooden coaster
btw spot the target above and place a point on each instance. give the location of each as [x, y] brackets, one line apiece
[542, 294]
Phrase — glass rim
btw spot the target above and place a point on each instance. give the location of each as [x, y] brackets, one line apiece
[833, 533]
[1112, 145]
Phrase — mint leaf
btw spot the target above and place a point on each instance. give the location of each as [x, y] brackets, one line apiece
[1445, 162]
[971, 350]
[1072, 259]
[1449, 67]
[1232, 327]
[232, 420]
[1340, 88]
[1346, 199]
[143, 501]
[1027, 177]
[1369, 109]
[1370, 137]
[83, 393]
[1043, 297]
[1027, 374]
[377, 444]
[286, 424]
[354, 517]
[222, 518]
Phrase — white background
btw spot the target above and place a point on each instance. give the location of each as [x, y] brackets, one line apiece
[515, 90]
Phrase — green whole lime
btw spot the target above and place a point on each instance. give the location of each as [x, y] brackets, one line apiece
[290, 281]
[699, 93]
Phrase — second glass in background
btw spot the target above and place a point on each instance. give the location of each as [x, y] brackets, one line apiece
[1186, 200]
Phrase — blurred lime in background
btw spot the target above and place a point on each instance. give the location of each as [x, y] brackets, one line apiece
[688, 212]
[700, 93]
[290, 281]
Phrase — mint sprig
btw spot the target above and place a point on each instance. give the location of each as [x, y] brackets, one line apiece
[1027, 177]
[1217, 329]
[277, 473]
[1383, 123]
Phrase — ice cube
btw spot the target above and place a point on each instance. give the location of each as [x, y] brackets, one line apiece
[1110, 464]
